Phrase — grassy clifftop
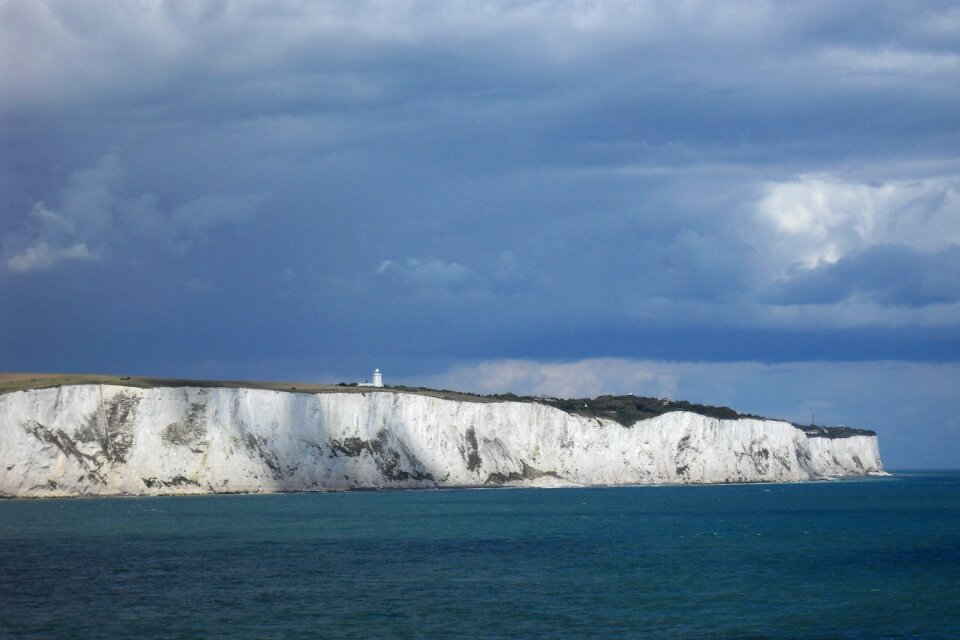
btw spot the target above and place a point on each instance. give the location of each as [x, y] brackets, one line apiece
[626, 410]
[10, 382]
[20, 382]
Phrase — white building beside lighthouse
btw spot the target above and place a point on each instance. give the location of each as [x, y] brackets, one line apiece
[377, 380]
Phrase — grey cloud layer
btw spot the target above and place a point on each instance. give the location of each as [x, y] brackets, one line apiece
[890, 275]
[435, 181]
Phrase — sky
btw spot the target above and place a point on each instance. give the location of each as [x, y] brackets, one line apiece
[750, 204]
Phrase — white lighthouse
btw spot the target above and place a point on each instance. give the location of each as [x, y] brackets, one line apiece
[377, 380]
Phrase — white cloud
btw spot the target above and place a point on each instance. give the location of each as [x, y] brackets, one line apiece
[819, 219]
[943, 25]
[53, 51]
[430, 273]
[80, 226]
[195, 217]
[572, 379]
[57, 52]
[41, 257]
[893, 65]
[96, 220]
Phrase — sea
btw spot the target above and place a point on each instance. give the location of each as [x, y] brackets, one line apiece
[866, 558]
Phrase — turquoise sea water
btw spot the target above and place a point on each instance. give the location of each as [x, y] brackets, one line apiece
[850, 559]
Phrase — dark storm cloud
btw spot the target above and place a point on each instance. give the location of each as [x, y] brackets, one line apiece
[435, 181]
[891, 275]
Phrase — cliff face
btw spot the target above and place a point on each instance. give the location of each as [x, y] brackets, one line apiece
[109, 440]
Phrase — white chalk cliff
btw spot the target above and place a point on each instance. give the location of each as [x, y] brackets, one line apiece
[112, 440]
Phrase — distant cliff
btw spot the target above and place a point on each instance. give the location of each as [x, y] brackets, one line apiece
[100, 439]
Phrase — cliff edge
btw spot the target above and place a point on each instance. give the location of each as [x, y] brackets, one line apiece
[105, 439]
